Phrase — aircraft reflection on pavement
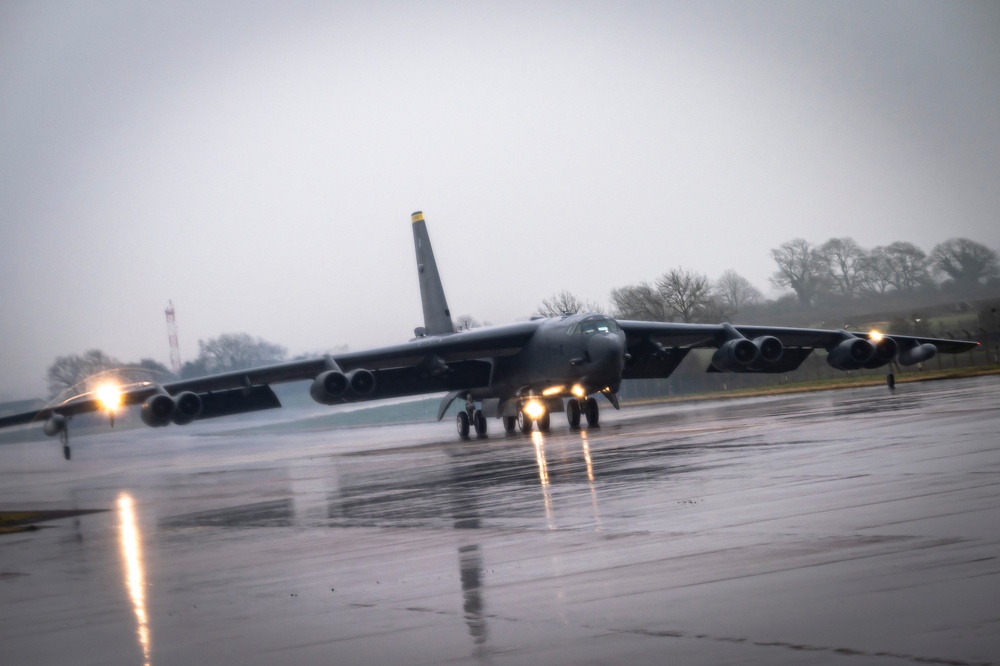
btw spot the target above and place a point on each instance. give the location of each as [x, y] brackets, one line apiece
[133, 570]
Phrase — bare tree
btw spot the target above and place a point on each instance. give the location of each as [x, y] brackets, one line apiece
[736, 292]
[465, 322]
[685, 293]
[237, 351]
[966, 262]
[800, 268]
[73, 372]
[908, 266]
[876, 272]
[641, 302]
[564, 302]
[844, 263]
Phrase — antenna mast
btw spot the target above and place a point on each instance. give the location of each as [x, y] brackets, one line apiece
[175, 352]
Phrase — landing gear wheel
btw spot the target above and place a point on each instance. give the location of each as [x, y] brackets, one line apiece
[479, 422]
[463, 425]
[66, 452]
[890, 381]
[543, 422]
[509, 423]
[523, 422]
[593, 412]
[573, 413]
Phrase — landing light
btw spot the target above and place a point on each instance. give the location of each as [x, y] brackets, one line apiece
[578, 391]
[552, 390]
[534, 409]
[875, 336]
[110, 396]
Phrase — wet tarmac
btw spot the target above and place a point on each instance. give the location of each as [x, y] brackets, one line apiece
[853, 527]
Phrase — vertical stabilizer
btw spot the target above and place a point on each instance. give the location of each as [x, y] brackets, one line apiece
[437, 316]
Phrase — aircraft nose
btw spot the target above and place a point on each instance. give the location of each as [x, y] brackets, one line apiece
[607, 354]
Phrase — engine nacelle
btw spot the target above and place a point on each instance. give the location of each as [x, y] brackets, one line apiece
[187, 407]
[917, 354]
[770, 348]
[885, 351]
[735, 355]
[54, 425]
[157, 410]
[361, 381]
[333, 386]
[851, 354]
[329, 387]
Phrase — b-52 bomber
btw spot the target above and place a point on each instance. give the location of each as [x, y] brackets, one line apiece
[520, 373]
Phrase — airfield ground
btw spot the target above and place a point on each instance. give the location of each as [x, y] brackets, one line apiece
[855, 526]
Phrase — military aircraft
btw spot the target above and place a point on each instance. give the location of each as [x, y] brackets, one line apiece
[520, 373]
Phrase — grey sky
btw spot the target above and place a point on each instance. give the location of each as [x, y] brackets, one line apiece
[258, 162]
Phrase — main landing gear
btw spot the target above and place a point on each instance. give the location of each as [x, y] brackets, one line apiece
[470, 419]
[589, 408]
[524, 422]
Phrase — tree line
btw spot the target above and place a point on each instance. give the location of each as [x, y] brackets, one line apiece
[833, 273]
[78, 373]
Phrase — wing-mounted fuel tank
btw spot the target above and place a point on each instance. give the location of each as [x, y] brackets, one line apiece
[740, 354]
[918, 353]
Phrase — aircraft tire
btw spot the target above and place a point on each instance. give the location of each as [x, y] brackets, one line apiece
[573, 413]
[544, 422]
[890, 380]
[509, 423]
[479, 422]
[523, 422]
[463, 425]
[593, 412]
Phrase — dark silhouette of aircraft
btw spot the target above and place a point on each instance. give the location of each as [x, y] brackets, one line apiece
[520, 373]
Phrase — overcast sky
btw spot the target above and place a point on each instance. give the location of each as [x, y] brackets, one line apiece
[257, 163]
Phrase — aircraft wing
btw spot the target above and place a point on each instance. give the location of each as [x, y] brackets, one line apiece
[657, 348]
[424, 365]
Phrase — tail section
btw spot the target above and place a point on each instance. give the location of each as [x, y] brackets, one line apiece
[437, 316]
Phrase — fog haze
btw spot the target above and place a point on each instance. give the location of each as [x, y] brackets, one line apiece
[257, 163]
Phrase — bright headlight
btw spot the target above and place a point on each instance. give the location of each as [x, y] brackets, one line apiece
[534, 409]
[110, 396]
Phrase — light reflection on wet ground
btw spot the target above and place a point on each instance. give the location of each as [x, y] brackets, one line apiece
[853, 526]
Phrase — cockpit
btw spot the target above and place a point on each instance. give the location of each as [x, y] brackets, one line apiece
[594, 324]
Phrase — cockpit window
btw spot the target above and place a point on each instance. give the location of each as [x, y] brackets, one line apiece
[595, 325]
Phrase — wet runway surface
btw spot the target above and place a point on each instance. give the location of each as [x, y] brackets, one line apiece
[853, 527]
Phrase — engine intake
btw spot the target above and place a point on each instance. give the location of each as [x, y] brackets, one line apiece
[157, 410]
[851, 354]
[333, 386]
[770, 348]
[885, 351]
[735, 355]
[187, 407]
